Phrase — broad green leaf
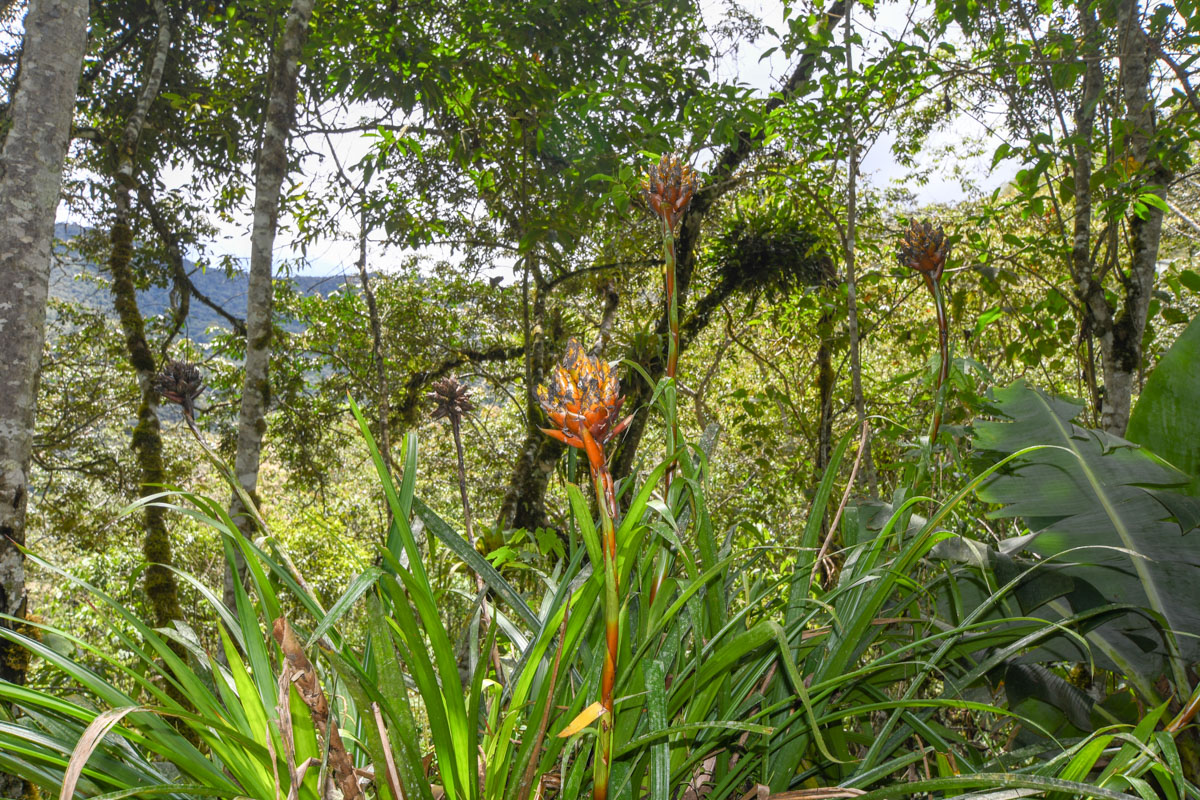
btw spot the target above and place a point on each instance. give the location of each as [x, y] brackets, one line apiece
[656, 707]
[1166, 418]
[1092, 504]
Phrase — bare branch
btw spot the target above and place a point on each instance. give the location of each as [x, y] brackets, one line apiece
[1181, 75]
[566, 276]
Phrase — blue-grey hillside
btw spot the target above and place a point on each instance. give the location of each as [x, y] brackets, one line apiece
[77, 280]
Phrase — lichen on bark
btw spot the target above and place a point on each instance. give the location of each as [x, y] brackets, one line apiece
[31, 161]
[269, 172]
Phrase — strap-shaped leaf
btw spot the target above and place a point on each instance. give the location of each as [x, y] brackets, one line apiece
[449, 537]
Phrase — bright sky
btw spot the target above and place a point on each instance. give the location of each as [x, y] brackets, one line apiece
[339, 256]
[878, 167]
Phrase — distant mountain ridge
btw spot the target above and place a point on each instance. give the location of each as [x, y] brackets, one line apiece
[73, 279]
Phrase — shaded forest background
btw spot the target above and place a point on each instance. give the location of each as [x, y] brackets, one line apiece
[487, 161]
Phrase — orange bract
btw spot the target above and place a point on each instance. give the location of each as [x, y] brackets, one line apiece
[583, 401]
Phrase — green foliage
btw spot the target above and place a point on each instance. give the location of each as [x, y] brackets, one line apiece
[1165, 419]
[833, 692]
[1107, 518]
[767, 247]
[513, 132]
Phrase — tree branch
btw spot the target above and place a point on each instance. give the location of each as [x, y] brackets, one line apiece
[239, 325]
[179, 275]
[566, 276]
[1181, 75]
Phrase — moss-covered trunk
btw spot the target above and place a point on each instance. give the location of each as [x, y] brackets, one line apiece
[826, 378]
[1123, 345]
[159, 581]
[524, 503]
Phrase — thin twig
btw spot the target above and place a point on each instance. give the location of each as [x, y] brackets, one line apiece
[485, 615]
[862, 446]
[393, 776]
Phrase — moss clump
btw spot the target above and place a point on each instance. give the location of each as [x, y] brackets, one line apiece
[771, 249]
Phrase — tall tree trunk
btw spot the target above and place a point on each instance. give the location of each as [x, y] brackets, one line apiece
[850, 252]
[30, 177]
[1118, 329]
[381, 388]
[270, 170]
[825, 385]
[158, 580]
[523, 505]
[1122, 345]
[1097, 314]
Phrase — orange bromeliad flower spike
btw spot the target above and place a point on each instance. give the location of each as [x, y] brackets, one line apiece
[924, 248]
[583, 402]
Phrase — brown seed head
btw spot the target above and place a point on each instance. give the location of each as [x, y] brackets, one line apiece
[924, 249]
[180, 382]
[669, 187]
[450, 399]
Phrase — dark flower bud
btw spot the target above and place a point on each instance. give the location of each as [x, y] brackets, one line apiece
[450, 399]
[180, 382]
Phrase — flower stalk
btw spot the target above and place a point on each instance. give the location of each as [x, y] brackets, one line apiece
[583, 402]
[924, 249]
[668, 188]
[451, 402]
[602, 480]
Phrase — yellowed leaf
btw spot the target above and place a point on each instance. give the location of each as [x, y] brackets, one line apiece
[586, 717]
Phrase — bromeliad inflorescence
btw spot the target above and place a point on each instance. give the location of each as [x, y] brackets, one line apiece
[583, 401]
[450, 399]
[669, 187]
[924, 249]
[180, 382]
